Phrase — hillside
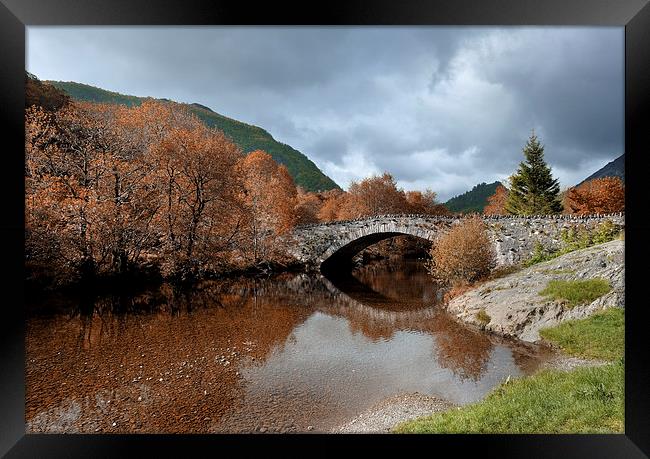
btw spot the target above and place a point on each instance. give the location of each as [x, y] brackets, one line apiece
[248, 137]
[614, 168]
[474, 200]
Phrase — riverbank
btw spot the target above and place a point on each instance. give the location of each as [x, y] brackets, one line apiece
[385, 415]
[517, 305]
[144, 279]
[406, 413]
[572, 395]
[580, 390]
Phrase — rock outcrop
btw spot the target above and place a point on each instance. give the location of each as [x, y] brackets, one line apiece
[512, 305]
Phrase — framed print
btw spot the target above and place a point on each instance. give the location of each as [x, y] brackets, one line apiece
[227, 225]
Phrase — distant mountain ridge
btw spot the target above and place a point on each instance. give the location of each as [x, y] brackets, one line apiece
[473, 200]
[615, 168]
[248, 137]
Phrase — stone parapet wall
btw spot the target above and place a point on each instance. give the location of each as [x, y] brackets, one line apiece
[514, 237]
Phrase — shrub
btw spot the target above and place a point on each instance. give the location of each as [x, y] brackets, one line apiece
[576, 239]
[575, 292]
[606, 232]
[539, 255]
[464, 254]
[483, 317]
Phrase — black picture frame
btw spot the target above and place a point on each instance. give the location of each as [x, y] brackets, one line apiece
[15, 15]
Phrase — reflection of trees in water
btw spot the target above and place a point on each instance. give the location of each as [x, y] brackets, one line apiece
[378, 316]
[197, 341]
[399, 280]
[461, 350]
[117, 348]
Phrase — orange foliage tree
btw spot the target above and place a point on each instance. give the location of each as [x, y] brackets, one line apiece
[308, 205]
[376, 195]
[70, 204]
[597, 196]
[270, 197]
[109, 187]
[202, 213]
[424, 203]
[332, 202]
[497, 202]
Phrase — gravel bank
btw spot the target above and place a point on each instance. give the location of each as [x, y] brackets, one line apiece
[391, 411]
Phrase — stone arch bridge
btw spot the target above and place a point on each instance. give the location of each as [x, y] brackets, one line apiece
[328, 245]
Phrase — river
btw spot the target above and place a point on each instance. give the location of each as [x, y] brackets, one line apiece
[293, 352]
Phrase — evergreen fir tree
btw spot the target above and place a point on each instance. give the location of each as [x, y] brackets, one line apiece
[533, 190]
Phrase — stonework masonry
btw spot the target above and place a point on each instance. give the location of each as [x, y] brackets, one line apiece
[514, 237]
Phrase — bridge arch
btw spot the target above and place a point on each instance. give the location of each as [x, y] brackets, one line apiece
[344, 254]
[341, 251]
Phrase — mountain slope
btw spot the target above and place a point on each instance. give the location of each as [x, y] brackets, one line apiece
[248, 137]
[614, 168]
[474, 200]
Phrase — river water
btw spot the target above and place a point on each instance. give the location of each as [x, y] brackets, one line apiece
[290, 353]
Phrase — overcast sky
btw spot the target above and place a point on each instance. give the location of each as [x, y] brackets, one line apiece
[438, 107]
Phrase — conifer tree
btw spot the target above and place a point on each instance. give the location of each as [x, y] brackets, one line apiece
[533, 190]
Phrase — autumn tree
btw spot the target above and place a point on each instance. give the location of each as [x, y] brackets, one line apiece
[333, 201]
[201, 212]
[376, 195]
[109, 187]
[424, 203]
[497, 202]
[43, 95]
[533, 190]
[308, 205]
[270, 197]
[597, 196]
[66, 162]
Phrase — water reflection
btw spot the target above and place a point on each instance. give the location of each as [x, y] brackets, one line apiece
[277, 354]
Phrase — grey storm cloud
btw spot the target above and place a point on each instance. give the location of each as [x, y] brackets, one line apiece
[438, 107]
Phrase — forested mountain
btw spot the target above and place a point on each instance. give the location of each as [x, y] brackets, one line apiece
[248, 137]
[614, 168]
[473, 200]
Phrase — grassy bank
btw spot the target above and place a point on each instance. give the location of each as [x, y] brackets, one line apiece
[601, 336]
[575, 292]
[585, 400]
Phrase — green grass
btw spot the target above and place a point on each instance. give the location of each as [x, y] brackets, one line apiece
[575, 292]
[558, 271]
[601, 336]
[585, 400]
